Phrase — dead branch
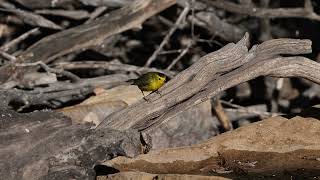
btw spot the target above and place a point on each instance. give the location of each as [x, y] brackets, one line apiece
[7, 56]
[306, 12]
[97, 12]
[22, 37]
[184, 52]
[210, 75]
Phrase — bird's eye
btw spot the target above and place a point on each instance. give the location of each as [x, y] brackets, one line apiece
[159, 78]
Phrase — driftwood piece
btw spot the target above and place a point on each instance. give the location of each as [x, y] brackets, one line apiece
[86, 35]
[276, 146]
[208, 76]
[44, 145]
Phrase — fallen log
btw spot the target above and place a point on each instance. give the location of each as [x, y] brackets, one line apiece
[45, 145]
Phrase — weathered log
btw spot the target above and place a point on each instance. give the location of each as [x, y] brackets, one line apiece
[45, 145]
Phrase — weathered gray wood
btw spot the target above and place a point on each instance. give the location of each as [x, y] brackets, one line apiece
[45, 145]
[215, 72]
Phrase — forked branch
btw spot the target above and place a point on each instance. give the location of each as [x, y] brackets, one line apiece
[216, 72]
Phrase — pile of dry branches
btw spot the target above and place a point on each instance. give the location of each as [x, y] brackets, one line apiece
[232, 58]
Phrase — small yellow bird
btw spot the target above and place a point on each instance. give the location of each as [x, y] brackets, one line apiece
[150, 81]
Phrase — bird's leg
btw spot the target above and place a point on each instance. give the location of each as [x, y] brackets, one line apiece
[158, 92]
[144, 97]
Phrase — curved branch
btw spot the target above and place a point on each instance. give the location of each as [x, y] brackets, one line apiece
[212, 74]
[278, 67]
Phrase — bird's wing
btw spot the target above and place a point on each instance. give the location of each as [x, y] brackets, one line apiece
[142, 81]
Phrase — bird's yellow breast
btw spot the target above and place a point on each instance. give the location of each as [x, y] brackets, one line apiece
[155, 84]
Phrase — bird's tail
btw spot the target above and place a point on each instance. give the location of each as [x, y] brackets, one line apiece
[131, 81]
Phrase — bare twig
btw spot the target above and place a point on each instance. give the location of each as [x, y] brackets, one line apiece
[17, 40]
[171, 51]
[165, 40]
[184, 52]
[97, 12]
[8, 56]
